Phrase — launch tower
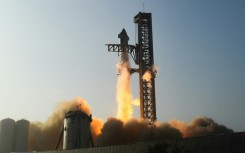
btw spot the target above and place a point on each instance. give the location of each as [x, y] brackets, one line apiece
[142, 54]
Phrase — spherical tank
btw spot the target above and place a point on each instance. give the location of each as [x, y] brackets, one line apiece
[77, 132]
[21, 136]
[7, 127]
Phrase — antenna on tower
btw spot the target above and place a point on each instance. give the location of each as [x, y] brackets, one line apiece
[143, 4]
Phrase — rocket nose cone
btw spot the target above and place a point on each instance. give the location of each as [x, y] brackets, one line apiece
[123, 35]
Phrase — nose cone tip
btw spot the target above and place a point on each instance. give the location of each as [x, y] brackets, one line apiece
[123, 35]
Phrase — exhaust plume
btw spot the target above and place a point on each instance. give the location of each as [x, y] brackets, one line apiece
[124, 98]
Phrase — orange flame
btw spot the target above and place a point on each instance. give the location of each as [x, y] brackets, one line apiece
[147, 76]
[96, 127]
[124, 98]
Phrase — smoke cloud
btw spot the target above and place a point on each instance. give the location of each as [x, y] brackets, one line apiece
[116, 132]
[199, 126]
[123, 129]
[44, 136]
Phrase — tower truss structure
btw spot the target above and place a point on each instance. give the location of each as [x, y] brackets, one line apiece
[146, 63]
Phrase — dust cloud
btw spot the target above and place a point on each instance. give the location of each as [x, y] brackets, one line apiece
[44, 135]
[199, 126]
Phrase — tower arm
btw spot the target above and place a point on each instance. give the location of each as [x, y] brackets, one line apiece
[131, 49]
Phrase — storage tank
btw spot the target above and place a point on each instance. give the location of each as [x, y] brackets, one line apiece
[77, 132]
[21, 135]
[7, 127]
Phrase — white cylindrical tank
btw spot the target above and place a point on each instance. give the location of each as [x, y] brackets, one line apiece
[21, 136]
[7, 129]
[77, 132]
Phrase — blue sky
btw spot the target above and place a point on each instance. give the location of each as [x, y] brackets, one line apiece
[51, 51]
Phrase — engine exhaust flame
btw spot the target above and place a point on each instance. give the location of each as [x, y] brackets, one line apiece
[124, 97]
